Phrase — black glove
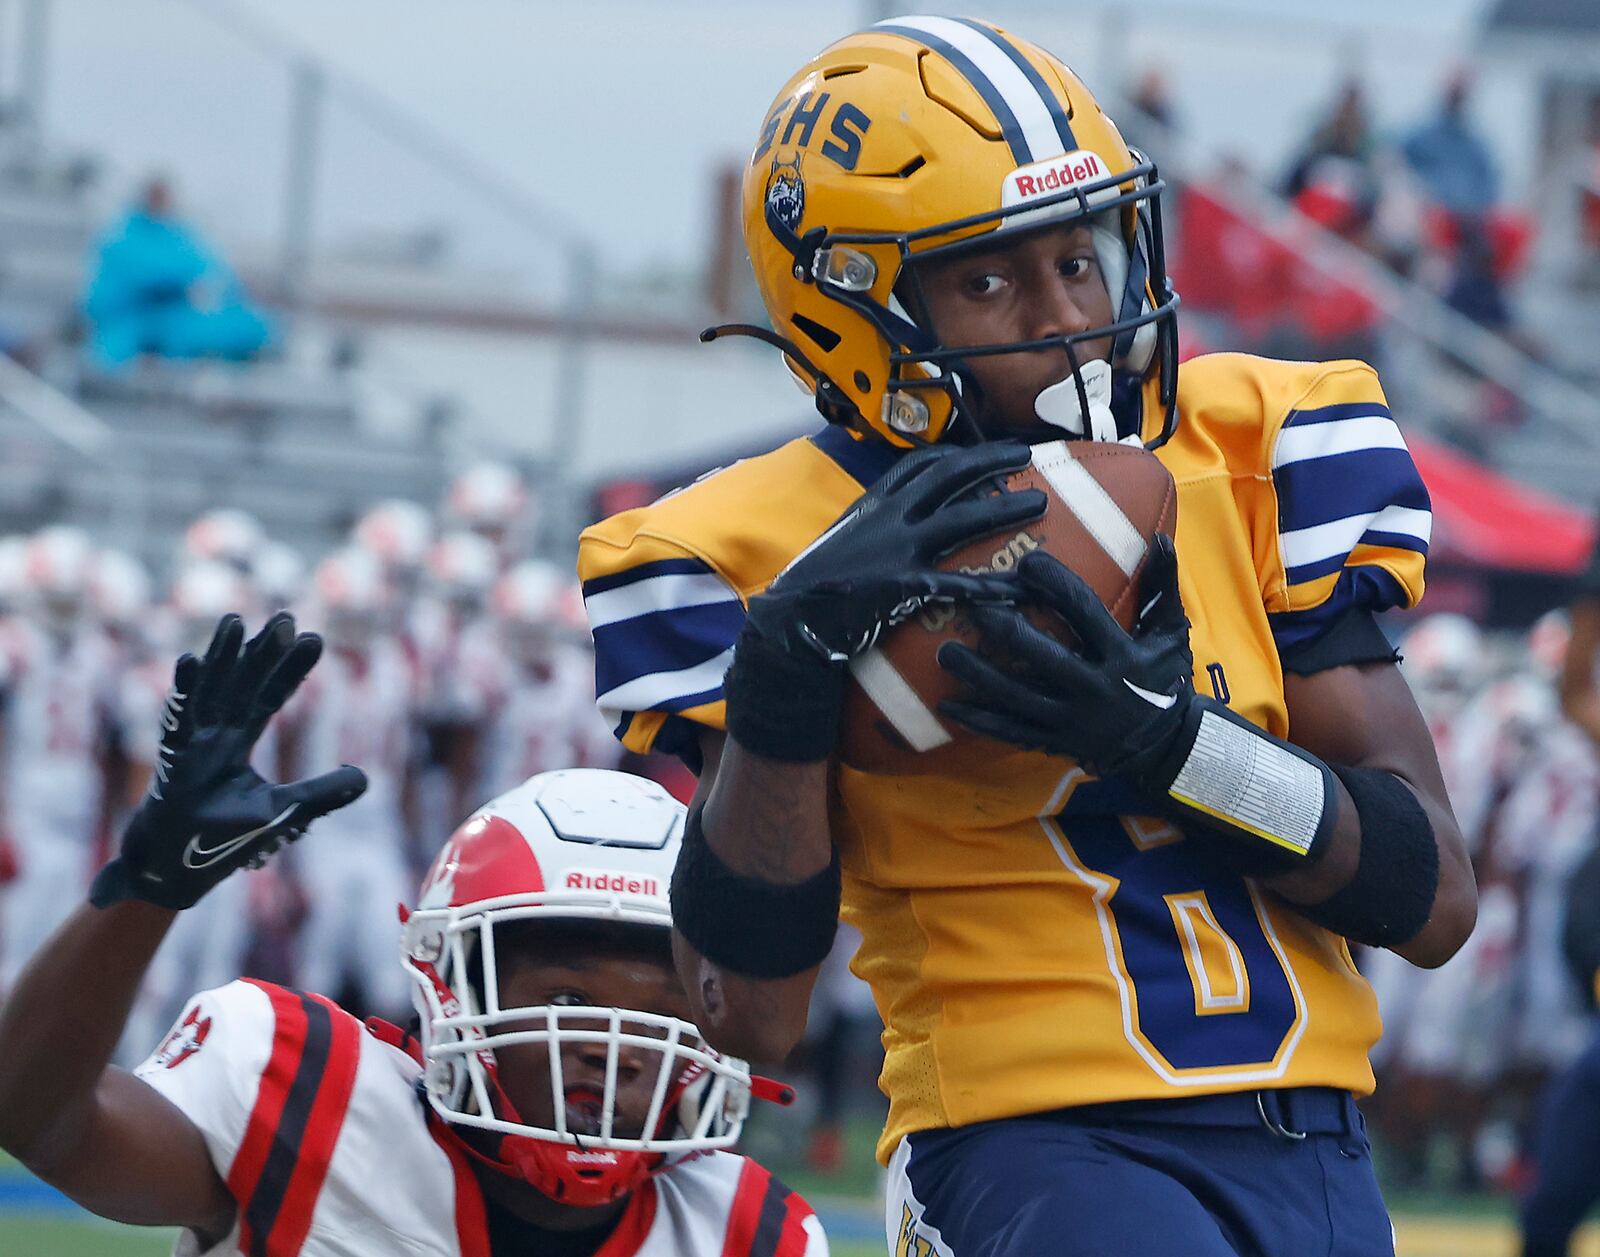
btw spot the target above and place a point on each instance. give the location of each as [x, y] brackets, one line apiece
[207, 812]
[1116, 705]
[1124, 705]
[872, 569]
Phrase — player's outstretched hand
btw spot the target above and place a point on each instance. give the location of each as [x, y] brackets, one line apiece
[875, 566]
[1116, 704]
[207, 812]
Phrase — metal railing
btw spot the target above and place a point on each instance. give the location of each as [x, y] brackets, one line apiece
[87, 452]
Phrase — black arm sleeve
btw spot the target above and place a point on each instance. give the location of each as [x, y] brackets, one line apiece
[1353, 637]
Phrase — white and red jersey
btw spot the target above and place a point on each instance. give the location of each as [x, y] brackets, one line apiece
[531, 719]
[319, 1131]
[58, 711]
[437, 632]
[357, 709]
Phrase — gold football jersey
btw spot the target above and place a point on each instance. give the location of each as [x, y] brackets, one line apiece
[1031, 940]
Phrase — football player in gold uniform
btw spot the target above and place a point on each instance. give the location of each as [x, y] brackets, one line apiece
[1109, 950]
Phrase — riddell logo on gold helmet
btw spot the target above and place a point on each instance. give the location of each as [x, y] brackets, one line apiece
[1043, 178]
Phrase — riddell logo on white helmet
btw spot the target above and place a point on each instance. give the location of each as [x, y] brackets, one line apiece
[617, 883]
[1046, 178]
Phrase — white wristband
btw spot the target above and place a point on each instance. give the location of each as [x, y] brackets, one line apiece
[1251, 782]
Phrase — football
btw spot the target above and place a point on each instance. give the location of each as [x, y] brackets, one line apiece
[1105, 503]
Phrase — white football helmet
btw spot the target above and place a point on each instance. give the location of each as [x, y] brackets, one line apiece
[579, 845]
[1445, 655]
[57, 565]
[119, 588]
[351, 597]
[201, 594]
[1547, 643]
[397, 533]
[488, 498]
[530, 608]
[224, 536]
[279, 574]
[461, 568]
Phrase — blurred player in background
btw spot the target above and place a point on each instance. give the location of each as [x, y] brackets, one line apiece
[529, 688]
[491, 501]
[1115, 1021]
[1446, 1032]
[557, 1101]
[398, 533]
[56, 787]
[357, 708]
[1566, 1184]
[225, 535]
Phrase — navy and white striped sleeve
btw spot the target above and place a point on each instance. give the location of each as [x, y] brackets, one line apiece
[663, 638]
[1354, 518]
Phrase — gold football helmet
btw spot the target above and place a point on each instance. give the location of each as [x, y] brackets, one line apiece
[915, 138]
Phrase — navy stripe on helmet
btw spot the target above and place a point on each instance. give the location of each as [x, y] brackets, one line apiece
[1052, 102]
[964, 65]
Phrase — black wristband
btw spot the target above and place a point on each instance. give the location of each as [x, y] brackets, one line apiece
[781, 707]
[748, 925]
[1390, 898]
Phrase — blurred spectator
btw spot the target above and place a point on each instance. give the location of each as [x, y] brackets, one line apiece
[1452, 161]
[1153, 117]
[1342, 141]
[1474, 288]
[155, 287]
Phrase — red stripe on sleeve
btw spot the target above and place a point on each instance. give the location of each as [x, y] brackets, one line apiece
[793, 1241]
[288, 1044]
[745, 1215]
[322, 1133]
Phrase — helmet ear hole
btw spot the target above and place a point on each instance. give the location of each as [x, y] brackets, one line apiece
[825, 338]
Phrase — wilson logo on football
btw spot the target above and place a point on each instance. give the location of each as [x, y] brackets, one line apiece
[936, 617]
[616, 883]
[1045, 178]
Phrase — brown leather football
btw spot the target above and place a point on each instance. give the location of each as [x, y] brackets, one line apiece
[1105, 503]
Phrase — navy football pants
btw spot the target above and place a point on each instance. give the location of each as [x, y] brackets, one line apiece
[1210, 1177]
[1568, 1158]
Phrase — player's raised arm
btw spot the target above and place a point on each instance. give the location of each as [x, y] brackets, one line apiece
[756, 893]
[99, 1134]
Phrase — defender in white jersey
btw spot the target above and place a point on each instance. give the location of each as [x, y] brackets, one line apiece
[556, 1102]
[357, 709]
[527, 681]
[55, 682]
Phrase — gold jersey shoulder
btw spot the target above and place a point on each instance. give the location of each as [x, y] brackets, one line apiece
[1031, 941]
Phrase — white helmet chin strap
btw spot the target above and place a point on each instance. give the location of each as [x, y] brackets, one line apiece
[1060, 406]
